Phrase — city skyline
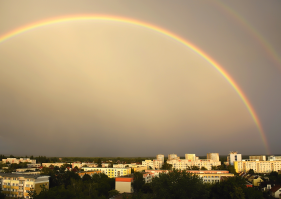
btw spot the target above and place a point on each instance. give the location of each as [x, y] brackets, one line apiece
[100, 79]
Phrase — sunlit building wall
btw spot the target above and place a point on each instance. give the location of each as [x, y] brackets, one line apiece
[18, 185]
[110, 172]
[191, 157]
[258, 157]
[213, 156]
[257, 166]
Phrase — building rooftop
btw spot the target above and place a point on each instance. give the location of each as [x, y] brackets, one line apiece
[21, 175]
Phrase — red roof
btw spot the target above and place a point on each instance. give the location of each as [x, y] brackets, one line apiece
[275, 188]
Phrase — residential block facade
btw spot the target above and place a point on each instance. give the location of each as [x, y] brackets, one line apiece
[18, 185]
[110, 172]
[257, 166]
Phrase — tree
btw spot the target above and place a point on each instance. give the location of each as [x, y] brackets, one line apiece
[2, 196]
[251, 171]
[138, 181]
[203, 168]
[180, 185]
[113, 193]
[167, 166]
[234, 188]
[195, 168]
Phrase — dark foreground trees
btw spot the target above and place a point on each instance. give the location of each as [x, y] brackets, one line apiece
[183, 185]
[68, 185]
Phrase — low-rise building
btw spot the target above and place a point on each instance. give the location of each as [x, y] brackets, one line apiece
[25, 169]
[34, 165]
[110, 172]
[124, 184]
[211, 176]
[55, 164]
[275, 191]
[18, 185]
[17, 161]
[90, 173]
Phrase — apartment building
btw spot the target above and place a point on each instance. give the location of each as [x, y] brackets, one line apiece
[34, 165]
[257, 166]
[85, 164]
[233, 156]
[17, 161]
[173, 157]
[191, 157]
[18, 185]
[56, 164]
[110, 172]
[212, 176]
[90, 173]
[183, 164]
[273, 158]
[258, 157]
[153, 164]
[160, 157]
[213, 156]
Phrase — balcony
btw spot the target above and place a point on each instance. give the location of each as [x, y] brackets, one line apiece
[20, 185]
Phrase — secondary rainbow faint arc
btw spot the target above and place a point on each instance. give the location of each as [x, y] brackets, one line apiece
[157, 29]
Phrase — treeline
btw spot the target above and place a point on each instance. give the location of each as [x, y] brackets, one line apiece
[183, 185]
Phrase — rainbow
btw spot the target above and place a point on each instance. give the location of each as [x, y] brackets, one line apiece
[269, 50]
[211, 61]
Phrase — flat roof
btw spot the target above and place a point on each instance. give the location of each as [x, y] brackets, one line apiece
[21, 175]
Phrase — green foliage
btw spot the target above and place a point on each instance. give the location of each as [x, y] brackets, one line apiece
[251, 171]
[166, 166]
[113, 193]
[2, 196]
[138, 182]
[179, 184]
[203, 168]
[195, 168]
[234, 188]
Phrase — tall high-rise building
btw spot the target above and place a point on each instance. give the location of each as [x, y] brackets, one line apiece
[213, 156]
[258, 157]
[190, 157]
[160, 157]
[173, 157]
[233, 156]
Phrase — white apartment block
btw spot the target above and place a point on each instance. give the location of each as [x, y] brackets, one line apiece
[160, 157]
[183, 164]
[211, 176]
[56, 164]
[191, 157]
[18, 185]
[257, 166]
[154, 164]
[17, 161]
[258, 157]
[173, 157]
[233, 156]
[273, 158]
[148, 163]
[110, 172]
[34, 165]
[213, 156]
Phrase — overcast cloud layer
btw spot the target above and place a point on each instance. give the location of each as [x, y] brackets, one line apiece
[104, 88]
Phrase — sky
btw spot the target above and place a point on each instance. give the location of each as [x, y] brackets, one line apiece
[106, 88]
